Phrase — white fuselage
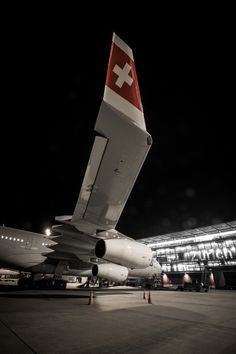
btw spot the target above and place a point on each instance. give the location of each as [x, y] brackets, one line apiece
[22, 249]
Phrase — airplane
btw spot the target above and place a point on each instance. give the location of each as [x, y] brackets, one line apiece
[87, 242]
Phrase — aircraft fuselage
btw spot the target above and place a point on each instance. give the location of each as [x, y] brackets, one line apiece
[21, 249]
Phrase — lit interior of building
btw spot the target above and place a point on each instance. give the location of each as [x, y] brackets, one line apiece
[207, 253]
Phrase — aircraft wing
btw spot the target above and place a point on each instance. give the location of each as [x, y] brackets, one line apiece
[118, 151]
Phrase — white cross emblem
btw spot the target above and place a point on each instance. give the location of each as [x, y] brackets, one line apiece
[123, 75]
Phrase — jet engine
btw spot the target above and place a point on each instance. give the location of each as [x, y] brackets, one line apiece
[112, 272]
[125, 252]
[154, 270]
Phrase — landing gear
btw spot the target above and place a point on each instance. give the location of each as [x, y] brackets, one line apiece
[41, 282]
[59, 284]
[24, 283]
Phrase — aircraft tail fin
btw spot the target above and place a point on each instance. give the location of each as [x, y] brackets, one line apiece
[121, 88]
[118, 151]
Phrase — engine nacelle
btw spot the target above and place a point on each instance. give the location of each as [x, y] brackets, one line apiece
[112, 272]
[154, 270]
[126, 252]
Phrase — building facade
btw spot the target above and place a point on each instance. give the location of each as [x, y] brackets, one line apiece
[206, 254]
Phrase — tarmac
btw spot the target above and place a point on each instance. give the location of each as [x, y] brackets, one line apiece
[117, 321]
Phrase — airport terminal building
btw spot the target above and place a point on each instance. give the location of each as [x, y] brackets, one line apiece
[206, 254]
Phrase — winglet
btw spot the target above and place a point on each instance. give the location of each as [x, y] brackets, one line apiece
[121, 89]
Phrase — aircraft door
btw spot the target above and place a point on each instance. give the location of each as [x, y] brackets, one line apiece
[28, 243]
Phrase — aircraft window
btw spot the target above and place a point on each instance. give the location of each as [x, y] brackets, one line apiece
[43, 244]
[14, 239]
[10, 238]
[6, 237]
[21, 240]
[2, 236]
[18, 240]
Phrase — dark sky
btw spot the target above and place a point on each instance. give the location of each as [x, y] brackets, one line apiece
[54, 73]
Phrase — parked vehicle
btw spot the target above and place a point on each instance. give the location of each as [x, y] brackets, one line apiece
[194, 286]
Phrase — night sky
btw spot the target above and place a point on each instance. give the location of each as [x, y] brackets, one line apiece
[54, 75]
